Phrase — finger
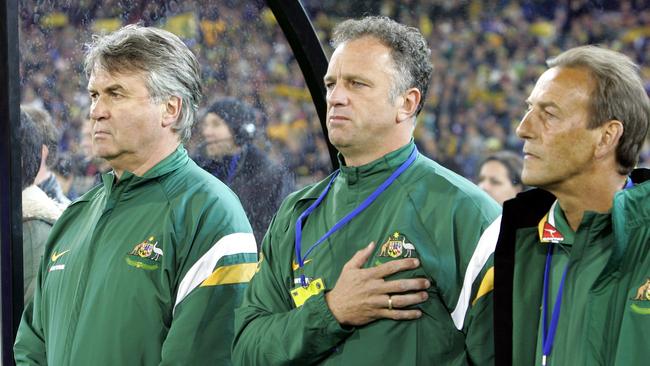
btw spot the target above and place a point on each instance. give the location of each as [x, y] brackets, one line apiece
[406, 300]
[399, 314]
[389, 268]
[361, 257]
[405, 285]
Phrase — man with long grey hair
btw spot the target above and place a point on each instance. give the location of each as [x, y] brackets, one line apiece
[147, 267]
[420, 292]
[572, 266]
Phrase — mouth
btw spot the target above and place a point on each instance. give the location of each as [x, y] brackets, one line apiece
[100, 134]
[337, 120]
[339, 117]
[528, 156]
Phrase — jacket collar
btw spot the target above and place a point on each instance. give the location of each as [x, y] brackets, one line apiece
[553, 227]
[384, 165]
[173, 161]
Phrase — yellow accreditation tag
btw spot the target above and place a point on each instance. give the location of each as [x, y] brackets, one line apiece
[301, 294]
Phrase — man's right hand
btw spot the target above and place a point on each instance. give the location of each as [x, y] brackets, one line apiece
[361, 295]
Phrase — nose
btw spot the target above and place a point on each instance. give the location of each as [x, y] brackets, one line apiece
[98, 109]
[337, 95]
[524, 130]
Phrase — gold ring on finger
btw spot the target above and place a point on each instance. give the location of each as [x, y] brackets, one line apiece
[390, 303]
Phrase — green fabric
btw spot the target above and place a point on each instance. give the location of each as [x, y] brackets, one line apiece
[440, 213]
[101, 301]
[603, 321]
[591, 246]
[632, 230]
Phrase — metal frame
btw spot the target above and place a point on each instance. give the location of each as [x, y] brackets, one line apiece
[11, 255]
[302, 38]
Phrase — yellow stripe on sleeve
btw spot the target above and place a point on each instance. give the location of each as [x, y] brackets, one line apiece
[236, 273]
[487, 284]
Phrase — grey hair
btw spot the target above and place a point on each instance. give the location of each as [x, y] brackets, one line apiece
[409, 50]
[171, 68]
[618, 95]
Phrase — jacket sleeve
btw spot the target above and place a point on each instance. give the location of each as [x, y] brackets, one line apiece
[269, 330]
[29, 348]
[479, 327]
[474, 310]
[212, 276]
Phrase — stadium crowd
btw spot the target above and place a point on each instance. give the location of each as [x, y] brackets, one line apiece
[486, 54]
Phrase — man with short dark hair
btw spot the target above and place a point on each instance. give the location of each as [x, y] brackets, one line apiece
[420, 292]
[46, 179]
[572, 262]
[147, 267]
[40, 212]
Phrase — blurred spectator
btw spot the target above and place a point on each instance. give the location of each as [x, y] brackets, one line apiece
[500, 175]
[39, 211]
[487, 57]
[46, 179]
[227, 152]
[85, 168]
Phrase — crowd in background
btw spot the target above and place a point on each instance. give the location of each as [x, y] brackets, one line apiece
[487, 56]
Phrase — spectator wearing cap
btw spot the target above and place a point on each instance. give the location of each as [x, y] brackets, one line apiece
[228, 129]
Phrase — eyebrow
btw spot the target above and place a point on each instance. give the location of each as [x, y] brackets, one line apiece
[111, 88]
[544, 105]
[348, 77]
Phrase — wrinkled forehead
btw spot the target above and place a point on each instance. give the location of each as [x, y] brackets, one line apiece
[565, 81]
[365, 54]
[100, 78]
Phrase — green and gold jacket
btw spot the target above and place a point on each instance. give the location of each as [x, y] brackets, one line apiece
[428, 213]
[605, 308]
[142, 271]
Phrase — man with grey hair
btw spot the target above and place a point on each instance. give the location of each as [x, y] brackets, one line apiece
[422, 294]
[572, 263]
[147, 267]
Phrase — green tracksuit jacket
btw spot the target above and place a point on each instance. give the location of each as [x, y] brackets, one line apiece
[429, 213]
[142, 271]
[605, 311]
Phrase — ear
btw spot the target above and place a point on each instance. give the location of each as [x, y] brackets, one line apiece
[409, 104]
[171, 111]
[610, 135]
[45, 151]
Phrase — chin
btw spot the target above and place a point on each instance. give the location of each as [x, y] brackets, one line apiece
[105, 154]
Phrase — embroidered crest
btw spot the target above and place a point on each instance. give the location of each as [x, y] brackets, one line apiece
[145, 255]
[148, 249]
[642, 294]
[396, 247]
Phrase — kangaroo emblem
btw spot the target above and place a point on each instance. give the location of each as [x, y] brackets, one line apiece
[551, 231]
[643, 293]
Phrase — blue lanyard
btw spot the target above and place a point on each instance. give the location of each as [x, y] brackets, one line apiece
[628, 183]
[548, 333]
[348, 217]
